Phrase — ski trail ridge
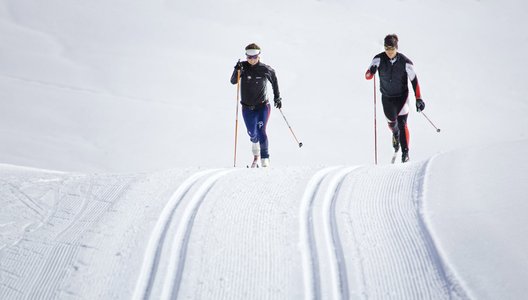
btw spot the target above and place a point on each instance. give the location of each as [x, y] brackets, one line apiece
[332, 252]
[180, 243]
[312, 288]
[154, 247]
[333, 244]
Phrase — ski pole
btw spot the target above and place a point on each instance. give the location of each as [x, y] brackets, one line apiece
[236, 119]
[299, 143]
[437, 129]
[375, 127]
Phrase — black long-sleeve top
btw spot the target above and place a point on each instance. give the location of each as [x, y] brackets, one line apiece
[253, 83]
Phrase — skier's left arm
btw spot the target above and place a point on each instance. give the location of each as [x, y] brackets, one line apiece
[275, 85]
[420, 105]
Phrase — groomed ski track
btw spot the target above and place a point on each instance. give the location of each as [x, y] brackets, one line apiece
[288, 233]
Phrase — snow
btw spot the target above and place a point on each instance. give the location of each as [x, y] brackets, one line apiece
[479, 216]
[116, 178]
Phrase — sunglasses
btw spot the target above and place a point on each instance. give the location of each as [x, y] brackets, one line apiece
[390, 48]
[252, 56]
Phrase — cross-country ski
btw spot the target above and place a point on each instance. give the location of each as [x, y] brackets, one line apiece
[254, 164]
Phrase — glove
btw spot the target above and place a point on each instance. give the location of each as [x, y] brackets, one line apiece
[371, 72]
[238, 66]
[368, 75]
[278, 102]
[420, 105]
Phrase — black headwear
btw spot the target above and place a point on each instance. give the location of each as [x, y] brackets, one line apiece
[391, 40]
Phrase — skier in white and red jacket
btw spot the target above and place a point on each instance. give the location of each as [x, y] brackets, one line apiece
[394, 70]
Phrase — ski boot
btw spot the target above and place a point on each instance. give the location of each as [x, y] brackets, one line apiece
[405, 156]
[265, 162]
[395, 144]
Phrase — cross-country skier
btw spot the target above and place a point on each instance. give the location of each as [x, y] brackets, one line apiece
[394, 68]
[255, 104]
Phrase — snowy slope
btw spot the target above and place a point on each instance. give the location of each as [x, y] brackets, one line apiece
[405, 231]
[130, 102]
[476, 205]
[126, 86]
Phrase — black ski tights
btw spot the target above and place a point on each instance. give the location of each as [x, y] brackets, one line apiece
[400, 131]
[393, 107]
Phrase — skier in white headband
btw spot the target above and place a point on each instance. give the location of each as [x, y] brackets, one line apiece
[254, 76]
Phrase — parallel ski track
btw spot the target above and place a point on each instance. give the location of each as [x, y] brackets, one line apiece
[159, 237]
[312, 285]
[180, 243]
[334, 248]
[396, 256]
[334, 253]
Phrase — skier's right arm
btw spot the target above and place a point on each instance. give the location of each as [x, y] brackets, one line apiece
[234, 76]
[372, 68]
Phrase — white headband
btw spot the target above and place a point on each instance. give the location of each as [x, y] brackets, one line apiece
[252, 52]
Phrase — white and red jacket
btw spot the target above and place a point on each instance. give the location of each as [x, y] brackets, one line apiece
[393, 74]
